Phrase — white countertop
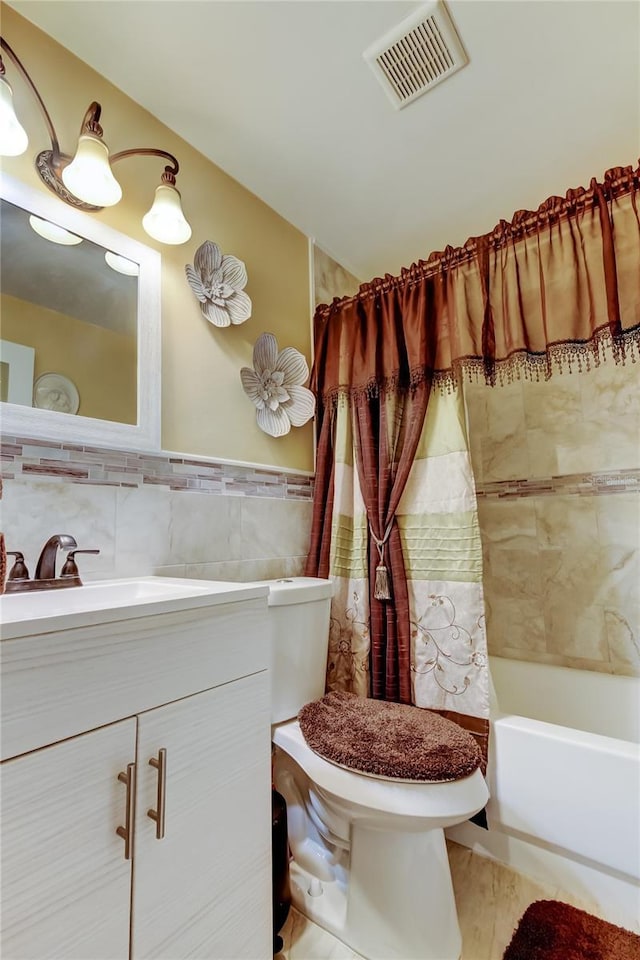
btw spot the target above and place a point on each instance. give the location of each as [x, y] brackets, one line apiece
[105, 601]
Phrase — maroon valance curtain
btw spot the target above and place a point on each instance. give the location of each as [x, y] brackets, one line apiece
[554, 287]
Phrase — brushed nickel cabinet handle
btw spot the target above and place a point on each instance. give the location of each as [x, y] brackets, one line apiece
[126, 832]
[160, 765]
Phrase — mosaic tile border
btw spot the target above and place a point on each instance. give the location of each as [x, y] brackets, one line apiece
[600, 483]
[21, 457]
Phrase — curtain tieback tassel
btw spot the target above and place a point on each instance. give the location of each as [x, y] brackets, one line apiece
[382, 586]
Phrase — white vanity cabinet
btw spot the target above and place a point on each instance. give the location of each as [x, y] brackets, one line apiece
[84, 711]
[65, 883]
[200, 891]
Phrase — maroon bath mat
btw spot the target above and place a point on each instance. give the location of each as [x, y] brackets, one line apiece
[388, 739]
[550, 930]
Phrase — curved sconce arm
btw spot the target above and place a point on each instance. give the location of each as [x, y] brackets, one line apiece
[90, 120]
[170, 173]
[55, 146]
[91, 125]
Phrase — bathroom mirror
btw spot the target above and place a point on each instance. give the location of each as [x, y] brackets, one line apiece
[86, 304]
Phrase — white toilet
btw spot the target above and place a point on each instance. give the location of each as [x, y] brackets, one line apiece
[369, 857]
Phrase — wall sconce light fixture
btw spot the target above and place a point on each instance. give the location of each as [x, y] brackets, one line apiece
[86, 181]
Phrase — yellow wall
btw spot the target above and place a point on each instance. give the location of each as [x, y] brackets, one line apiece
[204, 409]
[101, 363]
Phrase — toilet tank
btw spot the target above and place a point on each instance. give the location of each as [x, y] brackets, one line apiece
[298, 629]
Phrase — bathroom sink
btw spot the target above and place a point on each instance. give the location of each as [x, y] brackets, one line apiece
[24, 614]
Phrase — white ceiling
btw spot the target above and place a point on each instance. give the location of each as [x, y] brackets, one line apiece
[278, 95]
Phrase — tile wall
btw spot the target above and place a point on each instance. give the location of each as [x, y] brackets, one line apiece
[162, 515]
[330, 279]
[557, 468]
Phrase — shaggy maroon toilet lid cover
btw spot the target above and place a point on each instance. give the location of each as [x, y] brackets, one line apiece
[388, 739]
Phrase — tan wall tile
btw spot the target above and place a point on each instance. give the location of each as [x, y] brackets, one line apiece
[562, 572]
[513, 573]
[593, 445]
[574, 630]
[510, 523]
[514, 624]
[506, 459]
[543, 455]
[567, 522]
[331, 279]
[504, 452]
[552, 403]
[623, 638]
[608, 391]
[618, 518]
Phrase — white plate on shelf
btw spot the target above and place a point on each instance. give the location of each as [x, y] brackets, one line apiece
[53, 391]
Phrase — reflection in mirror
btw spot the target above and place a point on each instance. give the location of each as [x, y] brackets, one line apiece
[76, 312]
[80, 347]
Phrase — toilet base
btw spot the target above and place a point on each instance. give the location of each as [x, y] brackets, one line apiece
[326, 906]
[398, 903]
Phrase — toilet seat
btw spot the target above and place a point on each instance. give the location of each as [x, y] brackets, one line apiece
[447, 802]
[386, 739]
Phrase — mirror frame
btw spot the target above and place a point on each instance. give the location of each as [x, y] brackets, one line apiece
[33, 423]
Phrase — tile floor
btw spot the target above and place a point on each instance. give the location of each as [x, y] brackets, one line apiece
[491, 898]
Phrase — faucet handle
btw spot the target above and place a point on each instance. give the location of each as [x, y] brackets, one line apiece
[70, 567]
[19, 569]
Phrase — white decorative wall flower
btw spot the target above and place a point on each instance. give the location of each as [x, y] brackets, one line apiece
[218, 282]
[275, 386]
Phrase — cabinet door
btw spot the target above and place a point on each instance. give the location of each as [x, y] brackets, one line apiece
[66, 886]
[204, 890]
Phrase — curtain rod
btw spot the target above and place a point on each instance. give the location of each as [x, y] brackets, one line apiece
[523, 223]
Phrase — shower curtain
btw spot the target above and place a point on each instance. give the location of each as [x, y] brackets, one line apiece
[394, 520]
[438, 532]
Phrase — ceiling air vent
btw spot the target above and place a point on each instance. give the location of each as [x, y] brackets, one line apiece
[416, 55]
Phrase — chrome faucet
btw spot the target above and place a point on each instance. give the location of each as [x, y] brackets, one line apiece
[46, 568]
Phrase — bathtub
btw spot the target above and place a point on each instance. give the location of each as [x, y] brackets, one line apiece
[564, 778]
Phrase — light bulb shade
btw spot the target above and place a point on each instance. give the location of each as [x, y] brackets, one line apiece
[121, 264]
[13, 138]
[165, 221]
[89, 175]
[54, 233]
